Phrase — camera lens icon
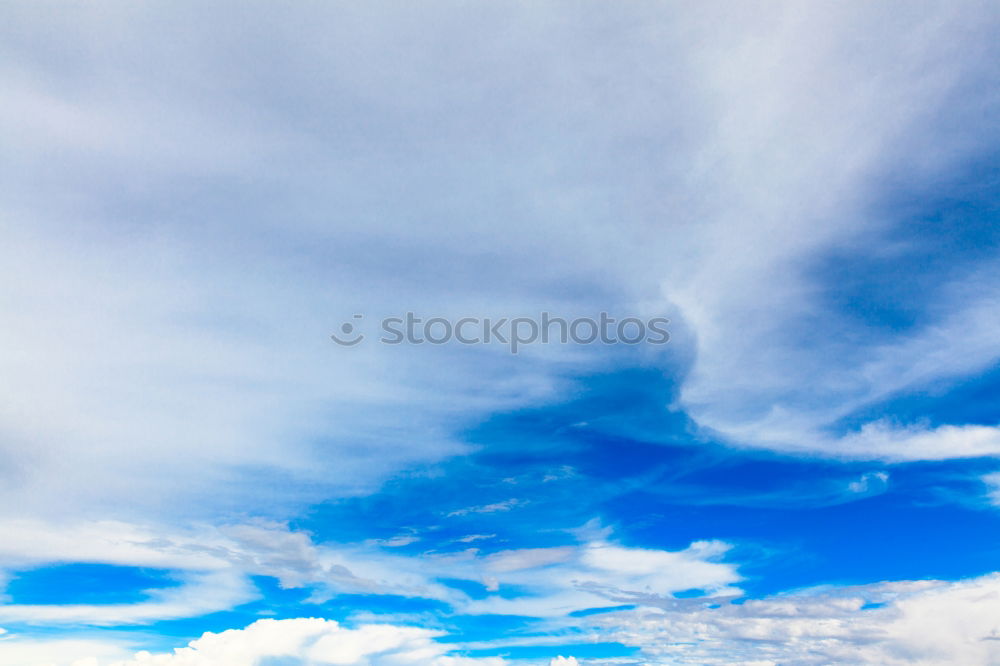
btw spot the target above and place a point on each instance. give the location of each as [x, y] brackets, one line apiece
[347, 329]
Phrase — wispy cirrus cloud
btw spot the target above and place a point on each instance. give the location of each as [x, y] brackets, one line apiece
[200, 321]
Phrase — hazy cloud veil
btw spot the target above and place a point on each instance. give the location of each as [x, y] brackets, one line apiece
[194, 196]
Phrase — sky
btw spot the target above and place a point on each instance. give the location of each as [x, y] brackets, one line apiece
[195, 197]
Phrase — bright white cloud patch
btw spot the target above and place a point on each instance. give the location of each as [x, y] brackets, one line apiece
[19, 651]
[880, 440]
[311, 642]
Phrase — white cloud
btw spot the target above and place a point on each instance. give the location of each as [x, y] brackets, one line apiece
[884, 441]
[529, 558]
[505, 505]
[145, 330]
[992, 482]
[904, 622]
[924, 622]
[199, 594]
[561, 580]
[187, 213]
[960, 344]
[469, 538]
[907, 622]
[212, 564]
[564, 661]
[396, 541]
[774, 365]
[18, 651]
[301, 641]
[869, 482]
[314, 642]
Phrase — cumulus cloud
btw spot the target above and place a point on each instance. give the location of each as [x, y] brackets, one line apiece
[309, 642]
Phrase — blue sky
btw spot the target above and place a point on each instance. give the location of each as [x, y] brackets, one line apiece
[195, 197]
